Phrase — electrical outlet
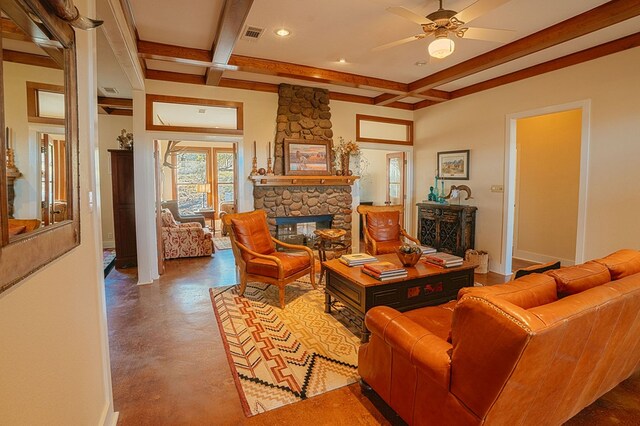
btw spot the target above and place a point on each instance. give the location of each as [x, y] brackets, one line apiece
[497, 188]
[109, 235]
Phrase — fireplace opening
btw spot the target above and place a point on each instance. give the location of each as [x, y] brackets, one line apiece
[299, 229]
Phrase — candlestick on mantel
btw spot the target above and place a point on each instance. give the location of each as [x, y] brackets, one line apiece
[6, 139]
[254, 166]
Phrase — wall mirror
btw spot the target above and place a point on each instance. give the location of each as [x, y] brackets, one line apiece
[39, 216]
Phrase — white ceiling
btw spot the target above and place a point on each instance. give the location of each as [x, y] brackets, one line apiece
[324, 31]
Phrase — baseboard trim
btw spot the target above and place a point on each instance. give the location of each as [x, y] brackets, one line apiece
[540, 258]
[108, 244]
[109, 417]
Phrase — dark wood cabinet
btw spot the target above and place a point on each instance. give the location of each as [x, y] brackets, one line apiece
[124, 210]
[447, 228]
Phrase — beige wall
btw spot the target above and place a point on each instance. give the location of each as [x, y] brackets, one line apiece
[27, 153]
[54, 366]
[373, 180]
[478, 122]
[109, 129]
[547, 186]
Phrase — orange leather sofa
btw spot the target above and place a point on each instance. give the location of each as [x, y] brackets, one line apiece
[534, 351]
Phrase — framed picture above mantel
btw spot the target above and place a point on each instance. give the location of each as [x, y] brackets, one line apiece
[453, 165]
[307, 157]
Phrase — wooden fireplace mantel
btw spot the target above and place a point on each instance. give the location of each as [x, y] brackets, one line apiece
[261, 180]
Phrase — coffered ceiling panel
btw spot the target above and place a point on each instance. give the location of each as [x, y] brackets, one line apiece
[190, 23]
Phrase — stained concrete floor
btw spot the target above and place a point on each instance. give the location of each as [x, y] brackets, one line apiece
[169, 366]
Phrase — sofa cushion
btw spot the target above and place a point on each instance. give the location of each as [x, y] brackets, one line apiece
[536, 269]
[384, 226]
[576, 279]
[622, 263]
[436, 319]
[168, 221]
[291, 263]
[526, 292]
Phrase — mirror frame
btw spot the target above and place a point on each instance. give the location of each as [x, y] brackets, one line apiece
[25, 254]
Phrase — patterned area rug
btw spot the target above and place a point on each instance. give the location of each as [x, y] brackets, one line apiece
[222, 243]
[108, 260]
[281, 356]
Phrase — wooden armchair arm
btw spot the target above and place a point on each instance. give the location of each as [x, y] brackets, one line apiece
[409, 237]
[293, 246]
[369, 242]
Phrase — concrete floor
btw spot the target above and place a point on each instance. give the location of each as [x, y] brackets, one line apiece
[169, 366]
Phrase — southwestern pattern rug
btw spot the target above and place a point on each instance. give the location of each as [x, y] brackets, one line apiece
[281, 356]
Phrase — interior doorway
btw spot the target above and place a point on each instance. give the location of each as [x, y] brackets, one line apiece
[53, 181]
[545, 186]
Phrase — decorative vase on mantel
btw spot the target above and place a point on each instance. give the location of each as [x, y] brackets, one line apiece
[345, 164]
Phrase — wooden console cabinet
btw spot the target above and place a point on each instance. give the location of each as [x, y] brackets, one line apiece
[124, 210]
[447, 228]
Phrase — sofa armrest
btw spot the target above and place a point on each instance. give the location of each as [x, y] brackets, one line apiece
[198, 231]
[189, 225]
[428, 352]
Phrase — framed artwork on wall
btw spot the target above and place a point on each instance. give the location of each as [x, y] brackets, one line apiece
[302, 157]
[453, 165]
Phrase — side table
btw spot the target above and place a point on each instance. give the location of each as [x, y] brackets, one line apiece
[211, 215]
[329, 240]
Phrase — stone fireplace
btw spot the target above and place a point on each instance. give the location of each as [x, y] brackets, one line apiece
[307, 200]
[301, 229]
[303, 113]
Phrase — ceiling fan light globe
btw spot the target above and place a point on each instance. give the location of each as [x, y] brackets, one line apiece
[441, 47]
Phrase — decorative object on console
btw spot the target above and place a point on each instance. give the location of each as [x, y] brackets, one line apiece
[454, 192]
[125, 140]
[307, 157]
[448, 228]
[453, 165]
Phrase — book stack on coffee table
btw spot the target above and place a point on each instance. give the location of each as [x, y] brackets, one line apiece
[445, 260]
[384, 271]
[357, 259]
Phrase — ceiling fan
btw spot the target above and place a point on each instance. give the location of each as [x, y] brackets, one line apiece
[443, 22]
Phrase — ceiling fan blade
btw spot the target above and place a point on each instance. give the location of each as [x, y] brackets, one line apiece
[407, 14]
[399, 42]
[478, 9]
[489, 34]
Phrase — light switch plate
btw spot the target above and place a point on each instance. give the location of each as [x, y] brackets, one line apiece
[497, 188]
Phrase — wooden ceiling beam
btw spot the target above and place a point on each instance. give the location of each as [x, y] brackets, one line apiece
[285, 69]
[29, 59]
[177, 54]
[117, 103]
[233, 17]
[595, 19]
[589, 54]
[261, 87]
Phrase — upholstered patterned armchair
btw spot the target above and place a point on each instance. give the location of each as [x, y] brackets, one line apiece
[184, 239]
[382, 230]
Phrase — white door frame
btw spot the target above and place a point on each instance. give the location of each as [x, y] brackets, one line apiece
[510, 178]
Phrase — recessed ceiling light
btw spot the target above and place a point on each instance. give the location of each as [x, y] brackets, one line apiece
[420, 63]
[283, 32]
[342, 60]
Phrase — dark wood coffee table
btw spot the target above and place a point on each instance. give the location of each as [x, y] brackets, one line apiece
[426, 285]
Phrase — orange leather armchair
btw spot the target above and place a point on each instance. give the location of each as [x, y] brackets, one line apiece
[255, 253]
[382, 231]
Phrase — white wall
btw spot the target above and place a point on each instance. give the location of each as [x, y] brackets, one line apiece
[109, 129]
[54, 359]
[477, 122]
[372, 181]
